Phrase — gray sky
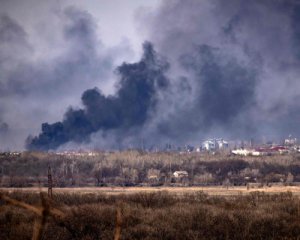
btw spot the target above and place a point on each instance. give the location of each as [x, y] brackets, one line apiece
[116, 20]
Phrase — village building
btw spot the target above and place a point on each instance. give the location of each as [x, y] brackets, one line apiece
[180, 174]
[290, 141]
[215, 144]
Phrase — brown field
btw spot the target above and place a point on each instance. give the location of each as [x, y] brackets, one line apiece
[212, 190]
[150, 213]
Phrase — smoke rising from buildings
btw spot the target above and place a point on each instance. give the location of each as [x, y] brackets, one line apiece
[41, 75]
[211, 68]
[129, 108]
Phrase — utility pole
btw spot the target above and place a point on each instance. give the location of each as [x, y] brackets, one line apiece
[49, 182]
[192, 172]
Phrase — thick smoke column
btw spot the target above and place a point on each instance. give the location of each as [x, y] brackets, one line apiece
[49, 60]
[233, 72]
[130, 107]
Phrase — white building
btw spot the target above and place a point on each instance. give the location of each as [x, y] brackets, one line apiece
[290, 141]
[214, 144]
[209, 145]
[222, 144]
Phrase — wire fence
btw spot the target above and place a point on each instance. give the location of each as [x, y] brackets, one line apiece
[46, 211]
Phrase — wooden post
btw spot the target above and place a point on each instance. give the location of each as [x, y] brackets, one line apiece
[49, 182]
[170, 171]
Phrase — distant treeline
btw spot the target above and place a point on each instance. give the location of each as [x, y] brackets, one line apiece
[133, 168]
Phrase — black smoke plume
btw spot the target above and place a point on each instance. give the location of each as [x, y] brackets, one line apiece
[56, 60]
[130, 107]
[233, 70]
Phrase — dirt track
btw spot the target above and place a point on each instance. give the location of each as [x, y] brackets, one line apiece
[217, 191]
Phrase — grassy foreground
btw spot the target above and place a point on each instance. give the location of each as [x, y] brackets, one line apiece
[149, 215]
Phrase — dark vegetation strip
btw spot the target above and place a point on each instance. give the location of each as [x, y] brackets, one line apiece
[134, 168]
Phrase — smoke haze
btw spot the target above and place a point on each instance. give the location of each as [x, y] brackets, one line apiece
[240, 63]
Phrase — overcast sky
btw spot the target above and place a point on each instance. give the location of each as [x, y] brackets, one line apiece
[116, 19]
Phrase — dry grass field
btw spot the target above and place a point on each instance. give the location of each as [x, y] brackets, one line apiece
[173, 213]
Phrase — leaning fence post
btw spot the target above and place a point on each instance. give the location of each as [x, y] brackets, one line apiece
[49, 182]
